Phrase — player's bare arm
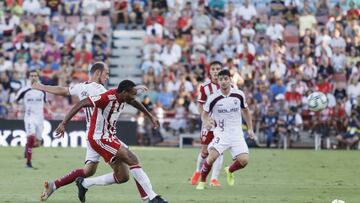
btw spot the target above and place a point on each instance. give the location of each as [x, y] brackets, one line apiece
[57, 90]
[248, 120]
[61, 128]
[138, 105]
[208, 121]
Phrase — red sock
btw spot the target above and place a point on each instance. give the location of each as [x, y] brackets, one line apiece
[69, 178]
[28, 148]
[206, 168]
[141, 190]
[235, 166]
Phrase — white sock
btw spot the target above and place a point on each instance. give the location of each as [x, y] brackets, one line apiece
[199, 163]
[141, 177]
[217, 167]
[106, 179]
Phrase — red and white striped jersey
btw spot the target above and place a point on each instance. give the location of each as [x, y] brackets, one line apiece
[84, 90]
[206, 89]
[108, 106]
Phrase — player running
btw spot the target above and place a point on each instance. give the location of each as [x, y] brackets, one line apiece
[103, 140]
[225, 107]
[206, 89]
[34, 114]
[99, 74]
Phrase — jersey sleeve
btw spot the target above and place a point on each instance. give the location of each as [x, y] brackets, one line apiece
[202, 96]
[100, 101]
[75, 89]
[21, 93]
[207, 104]
[243, 104]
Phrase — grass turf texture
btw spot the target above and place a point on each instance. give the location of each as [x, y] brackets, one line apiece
[272, 176]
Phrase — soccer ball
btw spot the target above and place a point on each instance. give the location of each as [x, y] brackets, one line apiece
[317, 101]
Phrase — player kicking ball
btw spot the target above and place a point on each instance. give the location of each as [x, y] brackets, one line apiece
[222, 111]
[102, 138]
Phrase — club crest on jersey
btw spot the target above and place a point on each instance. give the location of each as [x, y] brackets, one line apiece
[235, 101]
[95, 98]
[84, 94]
[111, 97]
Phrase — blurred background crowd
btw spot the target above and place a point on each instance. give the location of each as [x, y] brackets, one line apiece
[278, 52]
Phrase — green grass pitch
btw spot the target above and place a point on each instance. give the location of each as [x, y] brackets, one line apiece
[272, 176]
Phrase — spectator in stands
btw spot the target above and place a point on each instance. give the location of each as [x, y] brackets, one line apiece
[353, 88]
[247, 11]
[292, 97]
[275, 30]
[120, 11]
[4, 95]
[71, 7]
[166, 97]
[178, 124]
[217, 8]
[21, 67]
[152, 64]
[308, 70]
[82, 58]
[278, 68]
[350, 139]
[277, 89]
[269, 125]
[289, 126]
[5, 65]
[171, 52]
[137, 12]
[201, 22]
[306, 21]
[31, 6]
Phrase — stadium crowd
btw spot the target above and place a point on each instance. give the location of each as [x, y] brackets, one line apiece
[278, 52]
[58, 38]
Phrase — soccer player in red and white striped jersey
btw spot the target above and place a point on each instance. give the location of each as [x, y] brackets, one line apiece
[99, 74]
[103, 140]
[206, 89]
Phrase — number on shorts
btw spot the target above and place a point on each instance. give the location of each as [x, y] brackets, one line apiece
[217, 139]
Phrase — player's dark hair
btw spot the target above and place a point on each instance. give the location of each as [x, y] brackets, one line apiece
[32, 71]
[224, 72]
[97, 66]
[216, 63]
[125, 85]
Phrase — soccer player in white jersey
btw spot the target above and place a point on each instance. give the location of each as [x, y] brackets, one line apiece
[223, 111]
[206, 89]
[102, 138]
[33, 116]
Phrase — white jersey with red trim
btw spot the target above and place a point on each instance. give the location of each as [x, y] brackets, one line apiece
[226, 109]
[104, 126]
[84, 90]
[206, 89]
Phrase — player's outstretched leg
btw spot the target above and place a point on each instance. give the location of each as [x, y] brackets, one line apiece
[81, 189]
[49, 188]
[200, 161]
[28, 150]
[217, 166]
[240, 162]
[206, 168]
[138, 173]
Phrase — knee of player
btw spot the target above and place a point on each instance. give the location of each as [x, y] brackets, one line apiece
[244, 161]
[122, 178]
[89, 171]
